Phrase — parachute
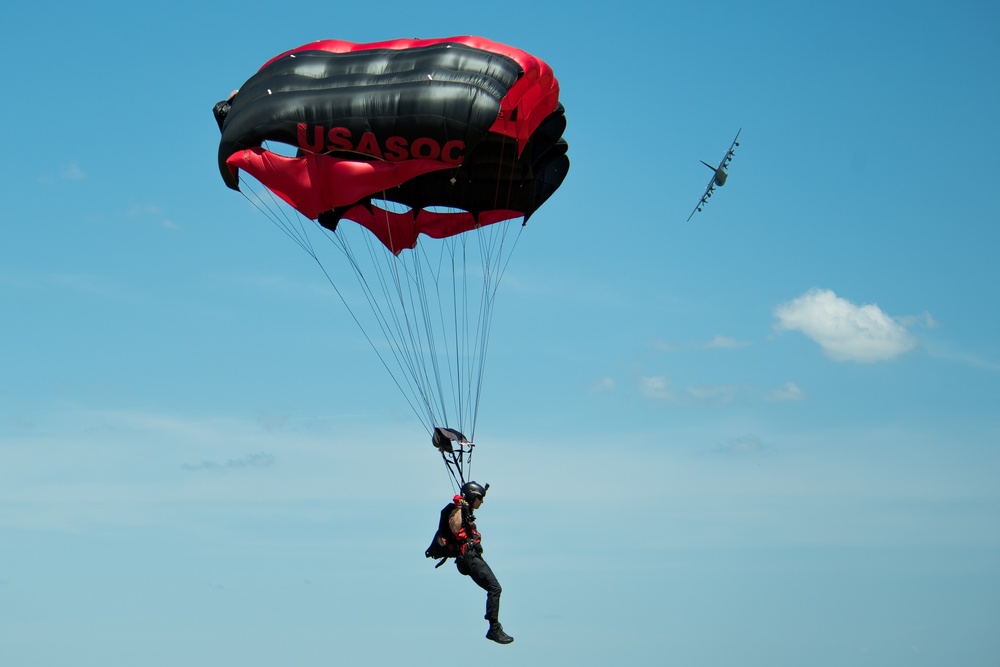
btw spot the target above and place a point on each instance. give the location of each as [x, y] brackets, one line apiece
[420, 161]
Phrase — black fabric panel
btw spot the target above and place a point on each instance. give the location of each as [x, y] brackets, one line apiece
[442, 91]
[493, 176]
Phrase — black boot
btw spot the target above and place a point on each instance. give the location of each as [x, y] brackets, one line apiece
[497, 634]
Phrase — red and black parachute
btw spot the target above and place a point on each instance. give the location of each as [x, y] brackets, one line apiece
[451, 142]
[461, 123]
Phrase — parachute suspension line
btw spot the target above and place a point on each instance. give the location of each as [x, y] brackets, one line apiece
[407, 283]
[468, 352]
[491, 239]
[412, 287]
[429, 325]
[294, 226]
[494, 265]
[482, 322]
[412, 281]
[388, 322]
[418, 330]
[277, 214]
[392, 319]
[420, 326]
[289, 222]
[466, 326]
[487, 257]
[457, 328]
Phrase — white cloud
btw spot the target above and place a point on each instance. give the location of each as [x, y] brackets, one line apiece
[742, 446]
[967, 358]
[717, 343]
[123, 467]
[845, 331]
[73, 173]
[925, 320]
[602, 385]
[719, 393]
[152, 211]
[787, 392]
[258, 460]
[272, 421]
[725, 342]
[656, 387]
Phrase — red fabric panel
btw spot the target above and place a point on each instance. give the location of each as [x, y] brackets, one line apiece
[313, 183]
[399, 231]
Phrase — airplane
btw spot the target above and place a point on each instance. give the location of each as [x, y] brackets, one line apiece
[719, 177]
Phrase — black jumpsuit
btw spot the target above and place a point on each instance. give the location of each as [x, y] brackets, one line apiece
[471, 564]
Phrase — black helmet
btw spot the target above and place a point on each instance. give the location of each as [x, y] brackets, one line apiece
[472, 490]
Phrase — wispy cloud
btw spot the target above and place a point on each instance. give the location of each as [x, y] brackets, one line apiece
[726, 343]
[787, 392]
[271, 421]
[73, 173]
[716, 393]
[86, 283]
[89, 284]
[656, 388]
[716, 343]
[660, 388]
[258, 460]
[65, 172]
[924, 320]
[745, 445]
[965, 358]
[845, 331]
[602, 385]
[154, 213]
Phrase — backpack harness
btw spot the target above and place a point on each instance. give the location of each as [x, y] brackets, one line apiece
[446, 544]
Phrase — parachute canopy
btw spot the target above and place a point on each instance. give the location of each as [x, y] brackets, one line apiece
[461, 132]
[454, 140]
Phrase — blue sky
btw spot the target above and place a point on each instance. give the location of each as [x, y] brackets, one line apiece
[765, 437]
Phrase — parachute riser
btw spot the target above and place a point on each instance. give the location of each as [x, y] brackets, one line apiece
[456, 452]
[458, 461]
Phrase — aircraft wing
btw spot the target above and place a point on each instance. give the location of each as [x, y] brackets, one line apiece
[704, 198]
[736, 142]
[730, 153]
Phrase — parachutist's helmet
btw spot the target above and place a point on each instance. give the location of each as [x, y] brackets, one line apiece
[472, 490]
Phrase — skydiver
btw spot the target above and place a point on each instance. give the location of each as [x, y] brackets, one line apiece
[469, 559]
